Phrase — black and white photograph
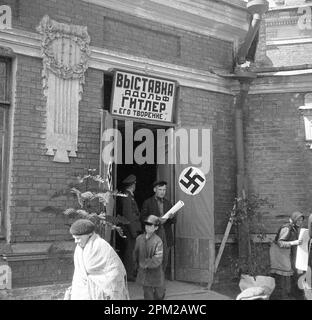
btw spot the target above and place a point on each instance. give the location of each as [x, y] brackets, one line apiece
[155, 150]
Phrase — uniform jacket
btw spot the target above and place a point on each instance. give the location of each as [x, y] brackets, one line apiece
[128, 208]
[150, 206]
[148, 256]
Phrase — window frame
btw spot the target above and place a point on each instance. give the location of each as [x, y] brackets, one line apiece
[5, 106]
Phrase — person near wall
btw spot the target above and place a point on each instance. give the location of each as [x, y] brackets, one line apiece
[283, 257]
[147, 257]
[128, 208]
[308, 280]
[158, 205]
[99, 273]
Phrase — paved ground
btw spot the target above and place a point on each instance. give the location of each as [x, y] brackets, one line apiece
[178, 290]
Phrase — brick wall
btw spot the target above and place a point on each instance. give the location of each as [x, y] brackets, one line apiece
[290, 55]
[40, 272]
[282, 25]
[145, 38]
[35, 177]
[203, 108]
[125, 33]
[278, 163]
[177, 47]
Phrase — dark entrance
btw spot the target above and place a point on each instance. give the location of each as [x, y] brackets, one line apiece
[145, 173]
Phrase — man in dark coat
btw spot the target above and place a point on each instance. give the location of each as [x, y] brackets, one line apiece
[128, 208]
[158, 205]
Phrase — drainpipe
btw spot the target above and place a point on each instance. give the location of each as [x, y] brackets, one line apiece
[256, 8]
[245, 77]
[244, 247]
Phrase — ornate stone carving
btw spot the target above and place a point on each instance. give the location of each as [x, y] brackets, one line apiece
[65, 51]
[5, 277]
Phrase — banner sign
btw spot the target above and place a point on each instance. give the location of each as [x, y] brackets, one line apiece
[106, 171]
[143, 97]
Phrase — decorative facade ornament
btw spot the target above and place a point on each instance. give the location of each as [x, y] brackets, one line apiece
[306, 112]
[5, 277]
[5, 17]
[65, 51]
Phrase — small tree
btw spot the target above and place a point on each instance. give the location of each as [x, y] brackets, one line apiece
[91, 202]
[250, 211]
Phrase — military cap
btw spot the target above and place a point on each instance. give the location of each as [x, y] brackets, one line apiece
[129, 180]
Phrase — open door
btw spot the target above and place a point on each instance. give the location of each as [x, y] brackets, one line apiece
[106, 171]
[166, 172]
[195, 243]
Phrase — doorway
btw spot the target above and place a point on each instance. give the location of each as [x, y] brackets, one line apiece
[146, 173]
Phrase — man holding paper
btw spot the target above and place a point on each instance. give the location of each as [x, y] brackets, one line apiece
[158, 205]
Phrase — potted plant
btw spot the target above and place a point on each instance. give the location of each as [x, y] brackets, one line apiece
[91, 203]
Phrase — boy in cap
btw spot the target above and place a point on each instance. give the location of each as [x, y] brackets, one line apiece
[147, 256]
[158, 205]
[283, 256]
[99, 273]
[128, 208]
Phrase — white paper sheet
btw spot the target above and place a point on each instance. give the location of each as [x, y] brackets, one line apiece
[302, 250]
[173, 210]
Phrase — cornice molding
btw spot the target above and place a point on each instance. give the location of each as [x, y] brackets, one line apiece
[282, 82]
[282, 21]
[222, 19]
[188, 77]
[27, 43]
[21, 42]
[281, 42]
[289, 7]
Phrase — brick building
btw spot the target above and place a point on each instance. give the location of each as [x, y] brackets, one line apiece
[278, 156]
[51, 116]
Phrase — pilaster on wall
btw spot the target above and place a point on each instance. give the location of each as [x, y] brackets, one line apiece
[65, 51]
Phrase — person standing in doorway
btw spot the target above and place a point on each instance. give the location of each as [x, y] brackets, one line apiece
[158, 205]
[128, 208]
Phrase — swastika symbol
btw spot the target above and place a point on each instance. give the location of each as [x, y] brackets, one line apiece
[192, 180]
[110, 176]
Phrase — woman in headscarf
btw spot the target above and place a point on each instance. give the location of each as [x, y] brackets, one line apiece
[283, 257]
[99, 273]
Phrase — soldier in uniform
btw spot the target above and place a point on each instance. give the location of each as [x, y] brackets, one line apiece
[128, 208]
